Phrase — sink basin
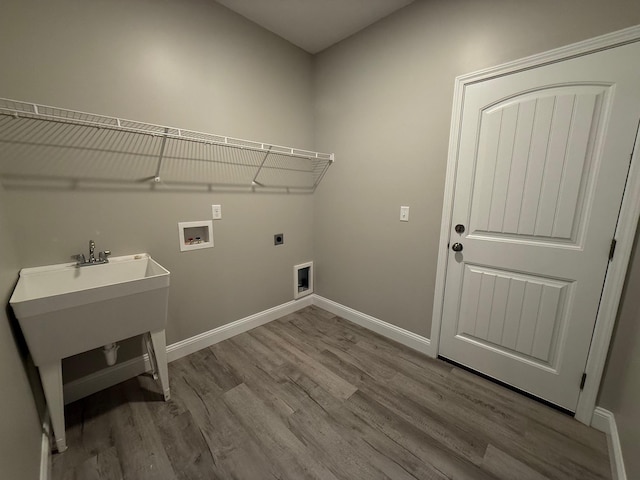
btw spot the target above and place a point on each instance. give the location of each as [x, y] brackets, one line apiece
[64, 309]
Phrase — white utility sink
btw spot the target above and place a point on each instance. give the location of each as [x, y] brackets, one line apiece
[64, 310]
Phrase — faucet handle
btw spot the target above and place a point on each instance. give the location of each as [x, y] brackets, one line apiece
[80, 258]
[103, 255]
[107, 253]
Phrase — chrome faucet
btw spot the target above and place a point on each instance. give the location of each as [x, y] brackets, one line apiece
[82, 261]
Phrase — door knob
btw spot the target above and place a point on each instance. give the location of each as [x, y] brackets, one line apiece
[456, 247]
[459, 228]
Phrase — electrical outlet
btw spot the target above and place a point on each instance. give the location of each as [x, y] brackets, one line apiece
[404, 214]
[216, 211]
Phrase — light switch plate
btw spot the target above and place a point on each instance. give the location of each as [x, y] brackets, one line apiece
[404, 214]
[216, 211]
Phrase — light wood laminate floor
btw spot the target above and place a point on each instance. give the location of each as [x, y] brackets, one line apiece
[314, 396]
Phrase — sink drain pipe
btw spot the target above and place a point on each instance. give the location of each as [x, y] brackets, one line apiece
[110, 351]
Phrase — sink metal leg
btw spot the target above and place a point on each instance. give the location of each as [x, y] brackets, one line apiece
[152, 357]
[51, 376]
[159, 342]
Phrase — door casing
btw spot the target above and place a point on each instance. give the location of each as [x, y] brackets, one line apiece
[625, 229]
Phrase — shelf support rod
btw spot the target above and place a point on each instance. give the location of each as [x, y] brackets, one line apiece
[254, 181]
[156, 178]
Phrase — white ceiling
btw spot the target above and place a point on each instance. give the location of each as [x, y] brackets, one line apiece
[314, 25]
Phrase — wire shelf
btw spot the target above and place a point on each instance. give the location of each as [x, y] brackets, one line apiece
[41, 142]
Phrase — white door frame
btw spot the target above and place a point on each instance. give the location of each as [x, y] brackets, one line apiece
[625, 230]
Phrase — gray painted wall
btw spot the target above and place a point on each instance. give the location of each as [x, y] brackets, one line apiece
[383, 103]
[20, 432]
[194, 65]
[620, 389]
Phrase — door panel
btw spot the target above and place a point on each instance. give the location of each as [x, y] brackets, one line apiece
[515, 313]
[533, 159]
[542, 161]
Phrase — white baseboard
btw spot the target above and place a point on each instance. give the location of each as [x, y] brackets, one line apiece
[45, 449]
[604, 421]
[400, 335]
[120, 372]
[190, 345]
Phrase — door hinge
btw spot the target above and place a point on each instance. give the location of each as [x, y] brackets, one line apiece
[612, 249]
[583, 380]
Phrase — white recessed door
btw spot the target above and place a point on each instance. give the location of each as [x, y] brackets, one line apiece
[543, 156]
